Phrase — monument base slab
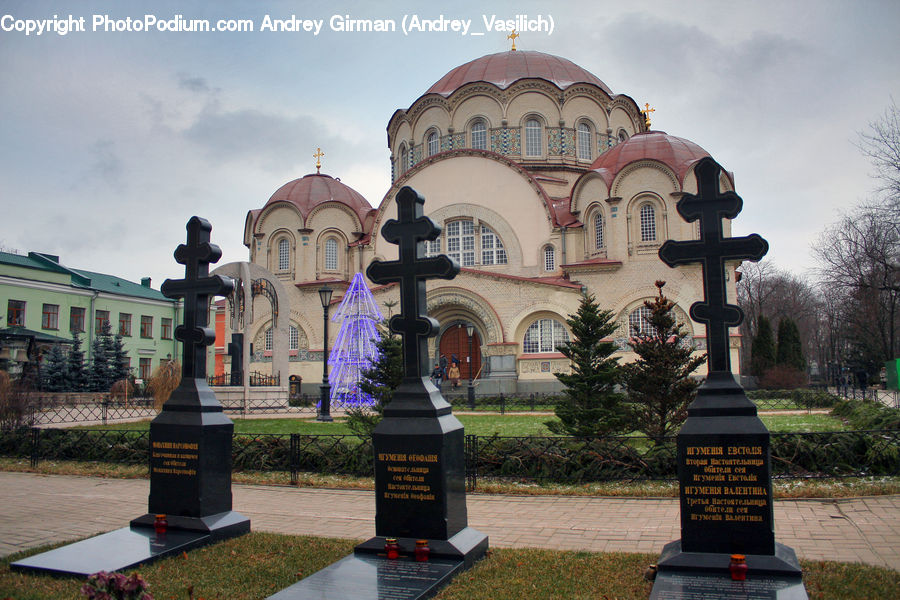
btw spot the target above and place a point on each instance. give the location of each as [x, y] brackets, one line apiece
[220, 526]
[113, 551]
[784, 562]
[679, 585]
[369, 577]
[468, 546]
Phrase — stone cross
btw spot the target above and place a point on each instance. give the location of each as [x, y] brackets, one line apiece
[712, 251]
[411, 271]
[195, 288]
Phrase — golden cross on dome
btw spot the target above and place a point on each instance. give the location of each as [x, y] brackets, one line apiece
[513, 37]
[319, 154]
[646, 112]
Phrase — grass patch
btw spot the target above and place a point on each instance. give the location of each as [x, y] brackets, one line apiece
[790, 488]
[258, 564]
[482, 424]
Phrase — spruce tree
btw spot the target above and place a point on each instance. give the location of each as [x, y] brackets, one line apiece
[75, 371]
[590, 406]
[53, 369]
[118, 359]
[790, 349]
[98, 372]
[659, 383]
[379, 381]
[762, 349]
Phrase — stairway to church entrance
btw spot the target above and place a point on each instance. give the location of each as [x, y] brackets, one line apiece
[455, 340]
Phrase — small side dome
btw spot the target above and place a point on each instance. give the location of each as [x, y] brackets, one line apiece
[505, 68]
[676, 153]
[312, 190]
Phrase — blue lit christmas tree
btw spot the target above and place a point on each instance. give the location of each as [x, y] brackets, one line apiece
[354, 350]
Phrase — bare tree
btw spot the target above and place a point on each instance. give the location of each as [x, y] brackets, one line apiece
[881, 144]
[860, 257]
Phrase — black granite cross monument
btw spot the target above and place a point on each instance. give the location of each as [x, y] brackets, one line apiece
[190, 447]
[723, 448]
[419, 457]
[190, 440]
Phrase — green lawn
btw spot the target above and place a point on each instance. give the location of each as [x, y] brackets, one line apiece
[259, 564]
[488, 424]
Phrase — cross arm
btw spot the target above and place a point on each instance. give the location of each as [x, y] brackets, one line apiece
[217, 285]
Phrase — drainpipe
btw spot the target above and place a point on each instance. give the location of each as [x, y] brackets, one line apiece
[563, 246]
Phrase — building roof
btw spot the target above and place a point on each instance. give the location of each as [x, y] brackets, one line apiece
[91, 280]
[505, 68]
[314, 189]
[677, 153]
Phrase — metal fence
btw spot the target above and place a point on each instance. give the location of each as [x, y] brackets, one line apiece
[493, 458]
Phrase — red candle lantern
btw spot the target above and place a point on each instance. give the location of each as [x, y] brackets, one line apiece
[160, 525]
[392, 548]
[738, 567]
[422, 550]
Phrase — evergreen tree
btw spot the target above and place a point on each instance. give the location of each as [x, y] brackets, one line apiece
[118, 359]
[379, 382]
[659, 383]
[762, 350]
[75, 371]
[98, 373]
[54, 369]
[590, 406]
[790, 350]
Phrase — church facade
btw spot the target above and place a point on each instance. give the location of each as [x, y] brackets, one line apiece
[546, 185]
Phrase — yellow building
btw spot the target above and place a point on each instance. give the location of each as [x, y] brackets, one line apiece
[545, 183]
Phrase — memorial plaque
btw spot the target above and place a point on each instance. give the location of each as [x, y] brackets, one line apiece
[690, 586]
[369, 577]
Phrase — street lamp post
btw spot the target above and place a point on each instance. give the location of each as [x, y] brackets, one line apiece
[325, 391]
[471, 391]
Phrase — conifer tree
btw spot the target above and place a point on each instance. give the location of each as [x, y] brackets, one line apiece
[53, 369]
[118, 359]
[591, 406]
[379, 382]
[98, 372]
[75, 371]
[790, 349]
[762, 349]
[659, 383]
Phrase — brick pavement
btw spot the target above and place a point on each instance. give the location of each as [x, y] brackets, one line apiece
[39, 509]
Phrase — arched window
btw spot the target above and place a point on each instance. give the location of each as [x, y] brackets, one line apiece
[404, 159]
[584, 141]
[648, 223]
[434, 143]
[269, 339]
[461, 242]
[284, 254]
[534, 146]
[331, 254]
[599, 241]
[549, 258]
[623, 135]
[492, 250]
[479, 135]
[639, 322]
[544, 335]
[433, 247]
[294, 338]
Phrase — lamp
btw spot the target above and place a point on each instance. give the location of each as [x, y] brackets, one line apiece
[325, 391]
[470, 329]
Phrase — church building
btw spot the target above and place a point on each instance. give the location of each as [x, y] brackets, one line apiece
[546, 185]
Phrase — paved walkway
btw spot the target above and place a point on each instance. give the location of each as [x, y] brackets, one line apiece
[39, 509]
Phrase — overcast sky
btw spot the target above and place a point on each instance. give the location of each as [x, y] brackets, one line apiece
[111, 141]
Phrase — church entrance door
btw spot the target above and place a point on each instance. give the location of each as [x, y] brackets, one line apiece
[456, 341]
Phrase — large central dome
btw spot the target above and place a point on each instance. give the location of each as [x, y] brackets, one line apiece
[505, 68]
